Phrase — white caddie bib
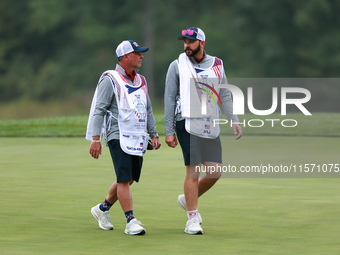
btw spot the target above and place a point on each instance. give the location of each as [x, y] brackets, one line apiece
[203, 125]
[132, 118]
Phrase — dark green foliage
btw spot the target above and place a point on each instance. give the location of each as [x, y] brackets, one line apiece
[51, 49]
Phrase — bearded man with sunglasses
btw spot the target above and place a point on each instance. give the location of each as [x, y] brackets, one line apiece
[190, 88]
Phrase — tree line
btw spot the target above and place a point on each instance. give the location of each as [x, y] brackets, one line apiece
[54, 48]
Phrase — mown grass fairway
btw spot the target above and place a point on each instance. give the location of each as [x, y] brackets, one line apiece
[48, 186]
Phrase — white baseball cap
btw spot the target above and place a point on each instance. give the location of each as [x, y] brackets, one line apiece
[129, 46]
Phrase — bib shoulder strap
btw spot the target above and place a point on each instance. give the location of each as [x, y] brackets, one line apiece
[218, 67]
[143, 84]
[217, 62]
[109, 74]
[143, 80]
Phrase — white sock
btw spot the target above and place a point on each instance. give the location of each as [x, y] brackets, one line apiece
[192, 214]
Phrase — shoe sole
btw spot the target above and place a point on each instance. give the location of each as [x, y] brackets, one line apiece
[194, 233]
[97, 218]
[135, 234]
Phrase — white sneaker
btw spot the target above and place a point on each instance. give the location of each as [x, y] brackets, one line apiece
[193, 227]
[134, 228]
[182, 203]
[104, 218]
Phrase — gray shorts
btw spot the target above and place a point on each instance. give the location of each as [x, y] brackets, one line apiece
[197, 150]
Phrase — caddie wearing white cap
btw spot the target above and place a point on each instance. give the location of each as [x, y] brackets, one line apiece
[121, 113]
[196, 132]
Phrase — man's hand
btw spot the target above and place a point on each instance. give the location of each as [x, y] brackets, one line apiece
[95, 147]
[171, 141]
[237, 130]
[155, 143]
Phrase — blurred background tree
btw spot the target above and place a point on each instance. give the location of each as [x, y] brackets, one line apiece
[57, 49]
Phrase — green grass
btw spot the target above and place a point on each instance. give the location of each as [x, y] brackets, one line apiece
[48, 186]
[319, 124]
[44, 127]
[50, 182]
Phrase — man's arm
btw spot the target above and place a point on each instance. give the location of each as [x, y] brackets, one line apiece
[151, 126]
[170, 96]
[227, 107]
[105, 96]
[227, 104]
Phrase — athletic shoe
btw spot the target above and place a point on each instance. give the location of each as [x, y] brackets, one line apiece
[104, 218]
[193, 227]
[134, 228]
[181, 201]
[183, 204]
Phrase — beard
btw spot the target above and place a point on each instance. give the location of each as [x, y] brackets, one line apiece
[193, 52]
